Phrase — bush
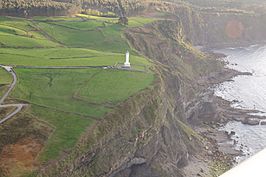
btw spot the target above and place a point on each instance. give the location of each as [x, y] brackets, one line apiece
[98, 13]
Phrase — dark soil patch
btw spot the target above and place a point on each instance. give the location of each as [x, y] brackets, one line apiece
[22, 139]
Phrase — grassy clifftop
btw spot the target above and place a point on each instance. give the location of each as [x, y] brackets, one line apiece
[63, 103]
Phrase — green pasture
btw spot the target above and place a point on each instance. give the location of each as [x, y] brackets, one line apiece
[67, 130]
[69, 98]
[64, 57]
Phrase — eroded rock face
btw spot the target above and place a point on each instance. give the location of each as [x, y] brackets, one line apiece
[20, 157]
[233, 29]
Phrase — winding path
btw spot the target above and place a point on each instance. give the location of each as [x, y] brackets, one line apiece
[11, 87]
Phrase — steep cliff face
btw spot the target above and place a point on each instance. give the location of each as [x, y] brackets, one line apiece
[231, 29]
[216, 26]
[220, 28]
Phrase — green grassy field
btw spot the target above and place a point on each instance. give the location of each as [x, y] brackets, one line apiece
[67, 129]
[107, 38]
[98, 88]
[21, 33]
[133, 21]
[63, 89]
[70, 100]
[74, 96]
[64, 57]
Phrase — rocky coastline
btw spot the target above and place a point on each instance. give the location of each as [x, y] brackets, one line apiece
[221, 147]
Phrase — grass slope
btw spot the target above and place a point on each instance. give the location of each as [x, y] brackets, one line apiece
[107, 38]
[69, 94]
[123, 84]
[63, 57]
[67, 129]
[56, 89]
[21, 33]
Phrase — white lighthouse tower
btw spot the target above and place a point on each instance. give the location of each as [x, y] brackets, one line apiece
[127, 63]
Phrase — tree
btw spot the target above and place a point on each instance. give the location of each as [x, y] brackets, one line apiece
[123, 20]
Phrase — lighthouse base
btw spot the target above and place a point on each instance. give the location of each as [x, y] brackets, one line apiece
[126, 65]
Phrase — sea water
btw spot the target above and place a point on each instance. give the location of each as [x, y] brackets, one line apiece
[246, 92]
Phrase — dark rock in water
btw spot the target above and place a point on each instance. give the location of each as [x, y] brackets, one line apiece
[250, 121]
[263, 122]
[246, 73]
[235, 101]
[232, 133]
[229, 80]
